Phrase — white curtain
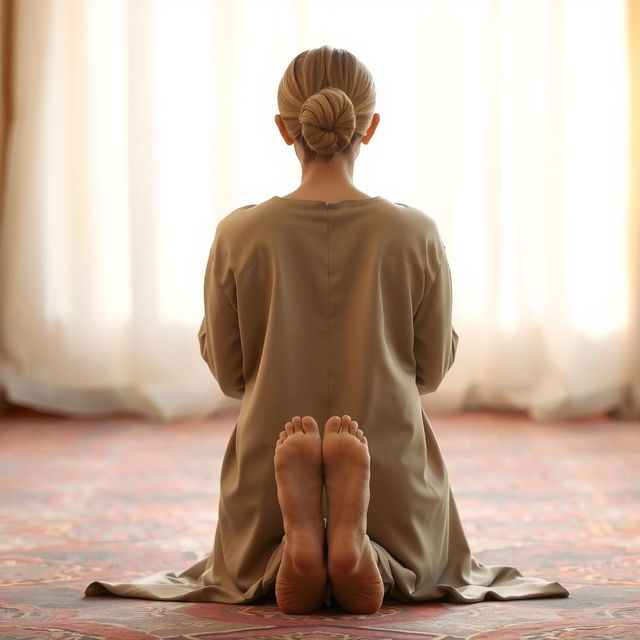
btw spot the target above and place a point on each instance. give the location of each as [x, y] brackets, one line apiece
[138, 124]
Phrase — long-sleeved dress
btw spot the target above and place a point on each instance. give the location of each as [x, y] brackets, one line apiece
[325, 309]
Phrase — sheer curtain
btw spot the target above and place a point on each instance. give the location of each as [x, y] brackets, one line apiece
[134, 126]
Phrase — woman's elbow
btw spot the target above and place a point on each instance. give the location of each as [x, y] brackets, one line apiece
[429, 381]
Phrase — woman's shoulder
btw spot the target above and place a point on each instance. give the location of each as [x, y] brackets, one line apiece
[415, 223]
[403, 226]
[418, 218]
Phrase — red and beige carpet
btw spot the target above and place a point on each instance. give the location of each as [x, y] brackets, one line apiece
[110, 498]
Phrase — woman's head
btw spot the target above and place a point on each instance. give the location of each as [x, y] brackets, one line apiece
[326, 100]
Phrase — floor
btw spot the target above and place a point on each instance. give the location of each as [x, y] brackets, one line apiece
[121, 498]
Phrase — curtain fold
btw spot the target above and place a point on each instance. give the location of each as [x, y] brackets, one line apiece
[630, 407]
[6, 32]
[128, 129]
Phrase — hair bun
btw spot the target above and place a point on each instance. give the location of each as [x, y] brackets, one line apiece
[328, 120]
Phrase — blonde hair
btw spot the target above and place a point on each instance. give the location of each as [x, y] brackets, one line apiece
[326, 99]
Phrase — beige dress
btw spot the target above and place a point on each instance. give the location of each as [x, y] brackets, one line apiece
[331, 308]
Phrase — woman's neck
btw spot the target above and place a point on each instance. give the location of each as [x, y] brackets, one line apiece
[328, 180]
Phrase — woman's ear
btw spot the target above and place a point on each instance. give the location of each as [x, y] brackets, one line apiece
[283, 130]
[372, 127]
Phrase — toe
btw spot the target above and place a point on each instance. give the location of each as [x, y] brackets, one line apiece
[289, 428]
[359, 434]
[332, 425]
[346, 420]
[297, 424]
[353, 427]
[310, 425]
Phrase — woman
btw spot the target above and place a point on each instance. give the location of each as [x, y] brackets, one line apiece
[334, 305]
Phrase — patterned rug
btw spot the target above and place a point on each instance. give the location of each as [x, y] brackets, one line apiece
[110, 498]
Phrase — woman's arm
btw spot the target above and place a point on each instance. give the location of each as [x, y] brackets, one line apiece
[435, 340]
[219, 333]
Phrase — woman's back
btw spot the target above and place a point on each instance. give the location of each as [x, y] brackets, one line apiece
[328, 292]
[326, 297]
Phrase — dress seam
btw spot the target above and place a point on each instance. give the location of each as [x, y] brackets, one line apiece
[396, 255]
[224, 294]
[328, 315]
[426, 292]
[251, 264]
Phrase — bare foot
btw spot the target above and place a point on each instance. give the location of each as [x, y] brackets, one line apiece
[355, 578]
[298, 470]
[346, 462]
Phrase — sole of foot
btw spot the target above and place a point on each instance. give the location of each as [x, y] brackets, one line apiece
[298, 469]
[346, 463]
